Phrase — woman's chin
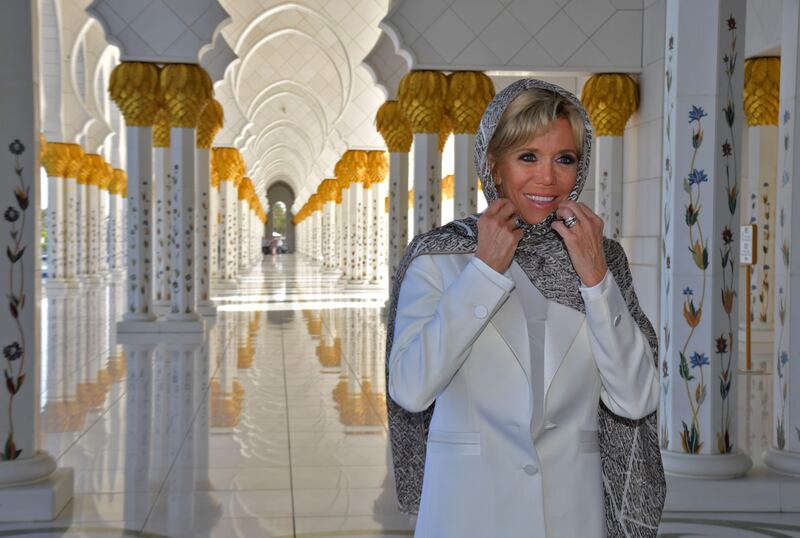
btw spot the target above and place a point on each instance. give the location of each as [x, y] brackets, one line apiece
[533, 218]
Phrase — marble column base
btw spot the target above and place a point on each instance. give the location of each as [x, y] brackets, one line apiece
[706, 466]
[39, 501]
[360, 285]
[782, 461]
[207, 309]
[161, 308]
[60, 284]
[136, 326]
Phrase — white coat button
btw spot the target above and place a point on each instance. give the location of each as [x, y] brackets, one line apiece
[531, 469]
[480, 311]
[617, 318]
[550, 426]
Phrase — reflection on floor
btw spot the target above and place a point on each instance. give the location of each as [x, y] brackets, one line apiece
[275, 426]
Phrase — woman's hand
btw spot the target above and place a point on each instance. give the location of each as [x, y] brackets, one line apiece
[584, 241]
[498, 235]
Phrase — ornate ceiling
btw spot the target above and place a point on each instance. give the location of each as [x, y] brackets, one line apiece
[298, 96]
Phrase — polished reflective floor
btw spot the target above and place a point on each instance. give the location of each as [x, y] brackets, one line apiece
[271, 425]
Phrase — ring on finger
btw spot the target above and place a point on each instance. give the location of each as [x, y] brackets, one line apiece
[571, 221]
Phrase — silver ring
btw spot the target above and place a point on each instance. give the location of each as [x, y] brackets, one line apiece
[571, 221]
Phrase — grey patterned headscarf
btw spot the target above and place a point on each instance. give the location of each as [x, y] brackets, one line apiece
[633, 476]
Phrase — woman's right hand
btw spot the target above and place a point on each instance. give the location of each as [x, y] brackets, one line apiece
[498, 235]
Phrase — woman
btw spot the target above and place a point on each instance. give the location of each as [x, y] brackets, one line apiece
[522, 326]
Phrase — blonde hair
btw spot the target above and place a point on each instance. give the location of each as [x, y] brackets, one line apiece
[529, 115]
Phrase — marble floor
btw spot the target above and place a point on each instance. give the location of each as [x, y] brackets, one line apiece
[273, 425]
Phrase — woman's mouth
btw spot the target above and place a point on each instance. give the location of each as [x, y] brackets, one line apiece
[540, 201]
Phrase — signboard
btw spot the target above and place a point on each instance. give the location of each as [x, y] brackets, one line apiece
[748, 254]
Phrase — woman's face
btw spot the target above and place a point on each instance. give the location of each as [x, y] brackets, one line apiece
[539, 175]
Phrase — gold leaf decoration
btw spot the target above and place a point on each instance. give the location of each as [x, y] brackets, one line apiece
[610, 99]
[468, 95]
[762, 90]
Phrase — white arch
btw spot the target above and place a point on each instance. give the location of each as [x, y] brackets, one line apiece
[344, 93]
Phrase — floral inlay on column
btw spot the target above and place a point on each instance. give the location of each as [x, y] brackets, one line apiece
[724, 343]
[15, 352]
[692, 313]
[782, 354]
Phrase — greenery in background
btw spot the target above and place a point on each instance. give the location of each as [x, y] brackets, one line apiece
[279, 218]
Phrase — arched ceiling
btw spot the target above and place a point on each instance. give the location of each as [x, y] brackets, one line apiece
[298, 96]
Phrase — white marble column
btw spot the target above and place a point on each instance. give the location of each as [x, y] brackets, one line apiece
[355, 231]
[183, 299]
[427, 182]
[784, 455]
[465, 177]
[702, 145]
[71, 218]
[759, 169]
[610, 100]
[377, 236]
[162, 268]
[330, 234]
[116, 220]
[55, 159]
[338, 232]
[104, 222]
[227, 161]
[139, 233]
[82, 253]
[426, 116]
[244, 232]
[23, 463]
[203, 237]
[214, 227]
[398, 210]
[608, 194]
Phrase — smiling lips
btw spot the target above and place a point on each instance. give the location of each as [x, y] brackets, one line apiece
[539, 201]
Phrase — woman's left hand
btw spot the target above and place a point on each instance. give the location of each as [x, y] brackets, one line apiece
[584, 241]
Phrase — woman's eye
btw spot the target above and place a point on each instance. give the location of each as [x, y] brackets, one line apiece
[527, 157]
[567, 159]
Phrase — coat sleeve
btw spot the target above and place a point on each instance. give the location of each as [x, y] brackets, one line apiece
[622, 353]
[436, 326]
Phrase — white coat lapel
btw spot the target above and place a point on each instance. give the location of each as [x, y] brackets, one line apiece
[509, 320]
[561, 328]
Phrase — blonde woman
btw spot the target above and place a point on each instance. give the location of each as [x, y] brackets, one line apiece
[521, 371]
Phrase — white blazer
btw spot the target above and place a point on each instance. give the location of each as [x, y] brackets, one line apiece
[461, 339]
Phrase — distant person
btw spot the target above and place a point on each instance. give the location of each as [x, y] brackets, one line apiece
[264, 245]
[521, 369]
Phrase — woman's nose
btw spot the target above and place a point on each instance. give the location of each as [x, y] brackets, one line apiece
[545, 175]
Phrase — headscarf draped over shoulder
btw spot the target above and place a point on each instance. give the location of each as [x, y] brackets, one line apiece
[633, 475]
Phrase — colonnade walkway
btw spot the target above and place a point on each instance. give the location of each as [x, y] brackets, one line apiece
[273, 426]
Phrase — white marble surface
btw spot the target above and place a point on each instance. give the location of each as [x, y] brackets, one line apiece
[264, 431]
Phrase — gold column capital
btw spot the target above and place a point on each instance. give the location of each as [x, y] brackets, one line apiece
[468, 95]
[210, 123]
[245, 186]
[327, 190]
[91, 164]
[228, 164]
[377, 167]
[56, 158]
[185, 90]
[134, 88]
[75, 160]
[394, 127]
[610, 99]
[422, 96]
[161, 138]
[762, 77]
[105, 174]
[118, 182]
[352, 166]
